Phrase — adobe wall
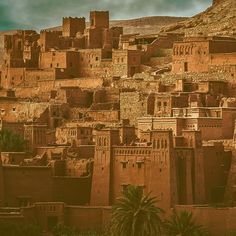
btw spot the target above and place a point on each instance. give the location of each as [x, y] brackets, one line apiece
[222, 46]
[87, 217]
[120, 62]
[31, 76]
[70, 26]
[185, 174]
[35, 182]
[102, 170]
[80, 82]
[99, 19]
[215, 175]
[12, 77]
[218, 220]
[59, 59]
[2, 191]
[211, 128]
[195, 54]
[49, 39]
[21, 111]
[71, 190]
[228, 119]
[223, 59]
[105, 115]
[133, 105]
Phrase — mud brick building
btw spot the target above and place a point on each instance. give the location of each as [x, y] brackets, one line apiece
[200, 54]
[174, 169]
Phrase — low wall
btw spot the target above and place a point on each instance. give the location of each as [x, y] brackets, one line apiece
[218, 221]
[87, 217]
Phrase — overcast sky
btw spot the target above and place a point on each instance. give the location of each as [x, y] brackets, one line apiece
[38, 14]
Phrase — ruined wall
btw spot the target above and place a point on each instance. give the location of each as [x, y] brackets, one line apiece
[21, 111]
[104, 115]
[134, 104]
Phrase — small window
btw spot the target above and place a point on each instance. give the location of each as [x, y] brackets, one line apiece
[139, 165]
[124, 165]
[96, 58]
[13, 109]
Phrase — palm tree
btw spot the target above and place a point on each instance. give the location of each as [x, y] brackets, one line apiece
[183, 224]
[135, 214]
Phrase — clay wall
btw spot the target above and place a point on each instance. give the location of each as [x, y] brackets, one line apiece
[133, 105]
[105, 115]
[102, 170]
[99, 19]
[222, 46]
[11, 77]
[26, 182]
[21, 111]
[211, 128]
[190, 56]
[120, 62]
[71, 190]
[49, 40]
[218, 220]
[87, 217]
[71, 26]
[59, 59]
[164, 104]
[215, 161]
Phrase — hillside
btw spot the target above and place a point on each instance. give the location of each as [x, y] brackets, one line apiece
[219, 19]
[144, 25]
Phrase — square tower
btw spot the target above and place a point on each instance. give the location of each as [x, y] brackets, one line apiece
[101, 193]
[99, 19]
[71, 26]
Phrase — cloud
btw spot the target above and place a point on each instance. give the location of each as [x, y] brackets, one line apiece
[46, 13]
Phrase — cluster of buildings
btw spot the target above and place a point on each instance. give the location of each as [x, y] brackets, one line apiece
[101, 110]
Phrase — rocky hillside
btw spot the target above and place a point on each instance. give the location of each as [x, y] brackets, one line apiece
[219, 19]
[146, 25]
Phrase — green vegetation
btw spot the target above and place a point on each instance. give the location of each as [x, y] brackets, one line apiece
[135, 214]
[11, 142]
[183, 224]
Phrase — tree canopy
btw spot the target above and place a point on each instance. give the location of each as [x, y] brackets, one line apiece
[135, 214]
[11, 141]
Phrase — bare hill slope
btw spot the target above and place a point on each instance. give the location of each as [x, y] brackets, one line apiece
[219, 19]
